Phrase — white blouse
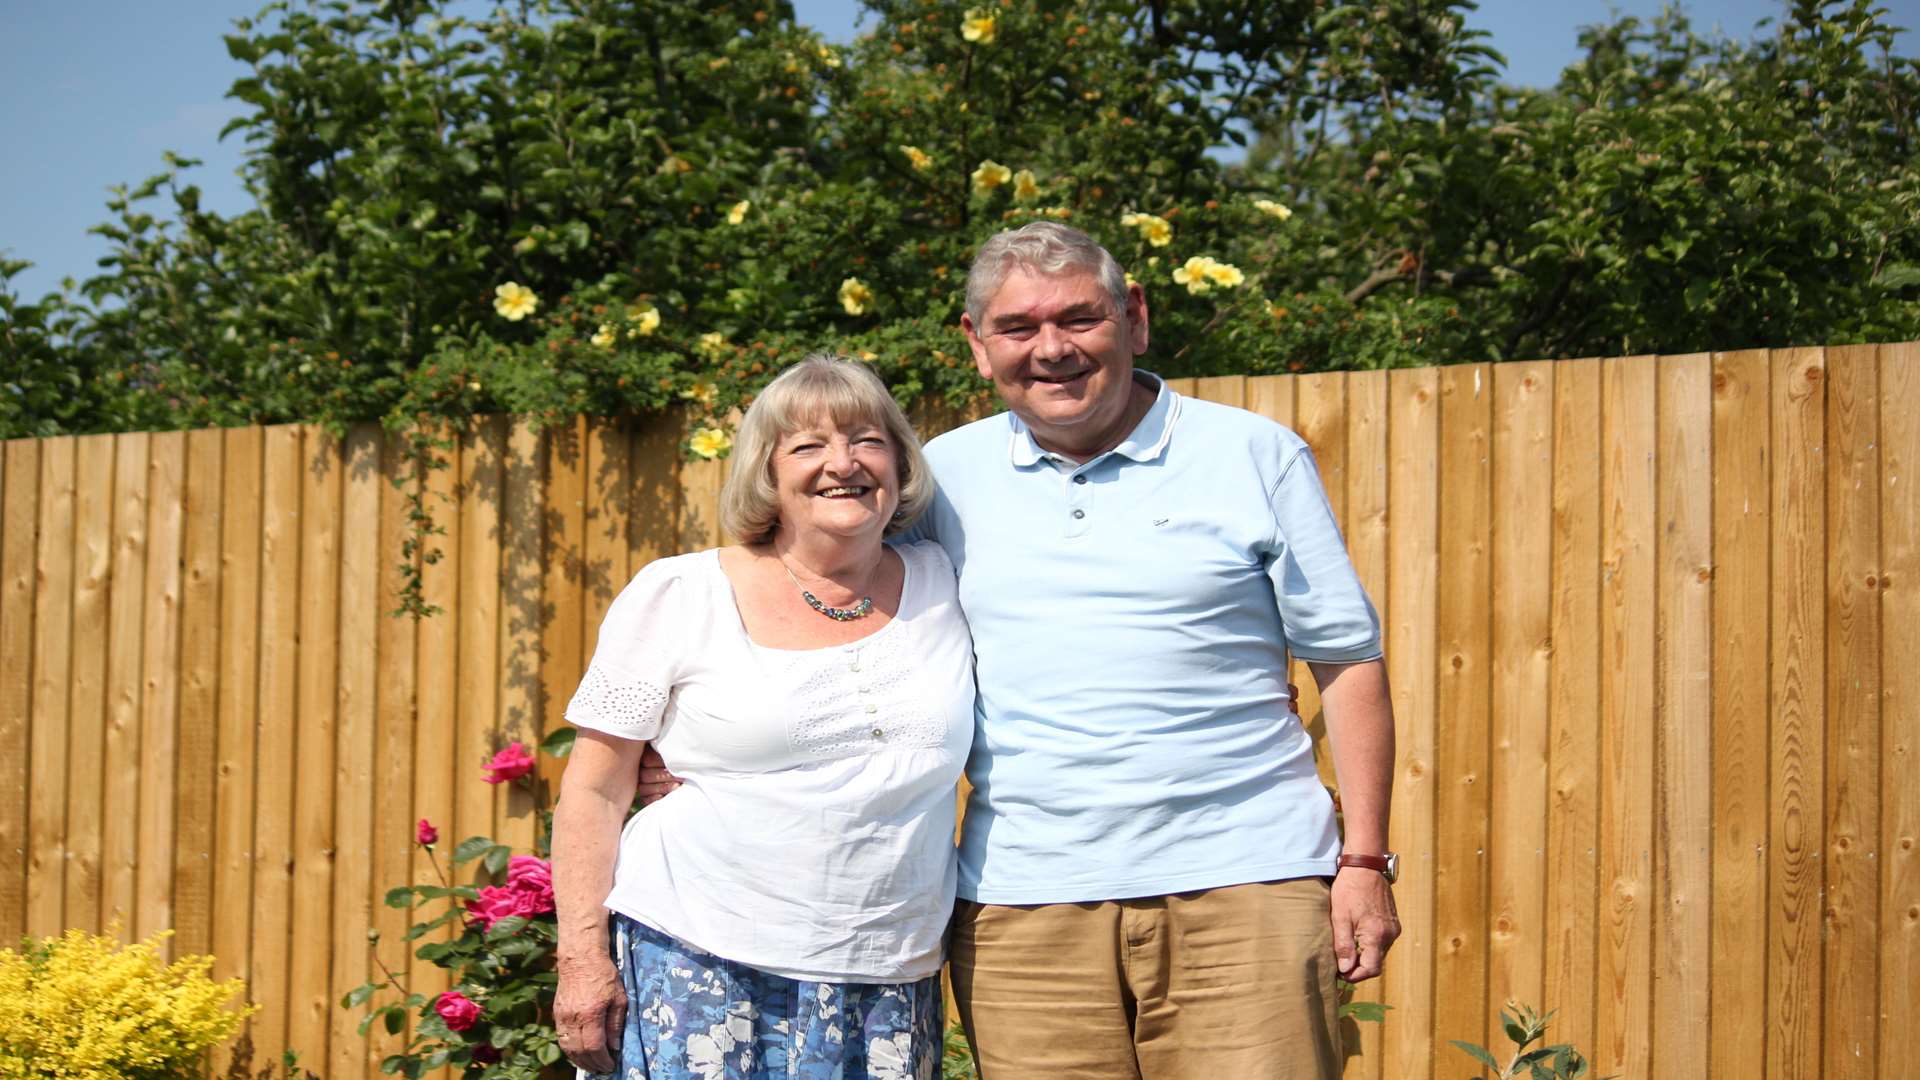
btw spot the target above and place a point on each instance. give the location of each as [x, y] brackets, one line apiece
[812, 835]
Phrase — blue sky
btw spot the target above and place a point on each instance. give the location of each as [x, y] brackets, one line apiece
[95, 90]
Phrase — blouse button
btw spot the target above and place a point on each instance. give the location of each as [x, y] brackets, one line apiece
[856, 664]
[878, 734]
[872, 708]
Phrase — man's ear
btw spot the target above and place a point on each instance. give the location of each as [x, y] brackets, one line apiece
[1137, 319]
[978, 348]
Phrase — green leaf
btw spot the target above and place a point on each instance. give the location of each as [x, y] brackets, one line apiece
[401, 897]
[559, 741]
[497, 858]
[471, 848]
[395, 1021]
[1897, 276]
[357, 996]
[549, 1053]
[1478, 1054]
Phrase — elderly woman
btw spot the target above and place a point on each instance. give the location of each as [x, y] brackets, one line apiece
[781, 912]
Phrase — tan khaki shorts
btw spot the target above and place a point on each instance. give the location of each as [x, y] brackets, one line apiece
[1231, 982]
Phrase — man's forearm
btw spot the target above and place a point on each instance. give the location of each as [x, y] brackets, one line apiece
[1359, 715]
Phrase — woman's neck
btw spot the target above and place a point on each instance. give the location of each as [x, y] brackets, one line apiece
[850, 562]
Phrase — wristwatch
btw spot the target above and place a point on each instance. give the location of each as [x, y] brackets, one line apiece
[1388, 864]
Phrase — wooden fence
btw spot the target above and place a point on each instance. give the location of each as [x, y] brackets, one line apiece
[1647, 620]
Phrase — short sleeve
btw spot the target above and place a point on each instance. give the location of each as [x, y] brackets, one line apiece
[1323, 608]
[636, 662]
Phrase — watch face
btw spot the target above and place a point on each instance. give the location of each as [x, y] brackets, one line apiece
[1393, 867]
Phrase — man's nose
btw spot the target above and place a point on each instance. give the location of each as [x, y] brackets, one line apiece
[1051, 343]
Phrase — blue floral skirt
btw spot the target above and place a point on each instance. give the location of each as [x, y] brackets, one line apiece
[691, 1014]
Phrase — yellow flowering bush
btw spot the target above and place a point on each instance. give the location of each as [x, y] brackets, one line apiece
[737, 213]
[82, 1005]
[979, 26]
[514, 301]
[1025, 185]
[710, 442]
[1153, 228]
[1273, 209]
[918, 158]
[989, 175]
[1202, 272]
[855, 295]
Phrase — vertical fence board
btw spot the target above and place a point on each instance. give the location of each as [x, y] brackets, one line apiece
[521, 621]
[275, 733]
[1797, 654]
[317, 714]
[1683, 840]
[565, 520]
[19, 533]
[1183, 387]
[1272, 397]
[1522, 525]
[199, 691]
[120, 841]
[437, 691]
[1462, 642]
[1899, 927]
[1852, 915]
[476, 729]
[1225, 389]
[1623, 1015]
[393, 748]
[52, 658]
[237, 708]
[1367, 541]
[1573, 810]
[1742, 512]
[160, 684]
[1413, 550]
[1320, 409]
[609, 493]
[87, 690]
[656, 505]
[356, 700]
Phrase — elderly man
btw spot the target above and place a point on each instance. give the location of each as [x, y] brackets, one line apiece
[1152, 883]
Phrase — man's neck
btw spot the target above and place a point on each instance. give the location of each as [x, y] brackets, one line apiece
[1140, 399]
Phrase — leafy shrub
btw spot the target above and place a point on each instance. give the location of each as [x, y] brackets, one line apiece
[1525, 1027]
[83, 1005]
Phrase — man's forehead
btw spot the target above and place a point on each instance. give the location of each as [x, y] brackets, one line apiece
[1026, 291]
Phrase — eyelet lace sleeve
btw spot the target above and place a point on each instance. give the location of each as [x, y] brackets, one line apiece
[626, 688]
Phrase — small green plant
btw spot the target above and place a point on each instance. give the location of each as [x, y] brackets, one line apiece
[956, 1059]
[1526, 1027]
[85, 1005]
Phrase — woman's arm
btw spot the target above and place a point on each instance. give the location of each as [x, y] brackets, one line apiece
[590, 1007]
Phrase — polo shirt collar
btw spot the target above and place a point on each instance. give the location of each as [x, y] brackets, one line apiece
[1146, 442]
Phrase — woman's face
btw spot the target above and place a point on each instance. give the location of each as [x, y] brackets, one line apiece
[839, 480]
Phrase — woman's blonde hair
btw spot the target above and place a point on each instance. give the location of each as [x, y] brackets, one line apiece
[821, 386]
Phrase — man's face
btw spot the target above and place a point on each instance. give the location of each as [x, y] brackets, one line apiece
[1061, 356]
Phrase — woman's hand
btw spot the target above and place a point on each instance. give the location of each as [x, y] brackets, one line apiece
[590, 1011]
[655, 782]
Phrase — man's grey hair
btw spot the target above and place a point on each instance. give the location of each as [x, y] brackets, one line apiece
[820, 387]
[1046, 248]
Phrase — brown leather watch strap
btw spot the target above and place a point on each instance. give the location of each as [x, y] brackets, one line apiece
[1384, 864]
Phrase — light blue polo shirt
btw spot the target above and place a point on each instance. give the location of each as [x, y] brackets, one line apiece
[1131, 618]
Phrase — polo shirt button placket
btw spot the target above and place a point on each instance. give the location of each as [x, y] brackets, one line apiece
[1079, 498]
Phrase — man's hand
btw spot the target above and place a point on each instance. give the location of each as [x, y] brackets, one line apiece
[1365, 922]
[590, 1011]
[655, 781]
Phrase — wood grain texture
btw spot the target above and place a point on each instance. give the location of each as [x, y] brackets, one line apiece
[522, 612]
[1850, 994]
[1272, 397]
[310, 1000]
[393, 746]
[476, 732]
[437, 691]
[1742, 527]
[1796, 661]
[1320, 410]
[1367, 535]
[87, 685]
[1573, 796]
[1683, 820]
[160, 685]
[609, 497]
[1623, 999]
[19, 536]
[276, 731]
[199, 693]
[356, 705]
[52, 662]
[1899, 847]
[120, 841]
[1225, 389]
[237, 710]
[562, 660]
[1413, 553]
[1521, 685]
[1462, 641]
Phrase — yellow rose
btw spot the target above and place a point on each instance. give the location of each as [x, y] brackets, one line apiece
[710, 442]
[1025, 186]
[738, 212]
[1194, 274]
[979, 26]
[1224, 275]
[1157, 230]
[712, 345]
[991, 174]
[855, 296]
[918, 158]
[700, 392]
[603, 337]
[1268, 206]
[644, 317]
[514, 301]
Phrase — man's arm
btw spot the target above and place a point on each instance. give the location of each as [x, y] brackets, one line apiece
[1359, 716]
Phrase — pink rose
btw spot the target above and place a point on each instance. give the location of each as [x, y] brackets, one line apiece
[497, 902]
[533, 877]
[458, 1010]
[510, 764]
[425, 834]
